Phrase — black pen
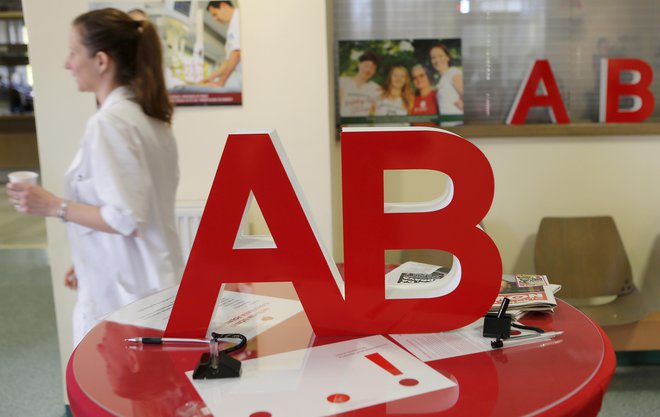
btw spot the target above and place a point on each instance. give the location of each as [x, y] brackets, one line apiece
[161, 340]
[528, 338]
[503, 307]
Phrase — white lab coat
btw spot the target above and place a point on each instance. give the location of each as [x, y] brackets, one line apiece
[233, 43]
[126, 165]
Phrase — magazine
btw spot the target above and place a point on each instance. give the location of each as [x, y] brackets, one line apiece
[526, 292]
[416, 273]
[418, 280]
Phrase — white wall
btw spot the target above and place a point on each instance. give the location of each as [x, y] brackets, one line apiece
[286, 76]
[574, 176]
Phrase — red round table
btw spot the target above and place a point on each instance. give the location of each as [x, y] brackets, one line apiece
[567, 376]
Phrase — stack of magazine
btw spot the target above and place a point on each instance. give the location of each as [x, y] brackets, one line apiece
[526, 292]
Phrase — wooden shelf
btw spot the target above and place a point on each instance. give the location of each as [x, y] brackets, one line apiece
[16, 14]
[18, 142]
[640, 336]
[17, 123]
[595, 130]
[573, 129]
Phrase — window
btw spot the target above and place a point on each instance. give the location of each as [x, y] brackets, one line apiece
[502, 38]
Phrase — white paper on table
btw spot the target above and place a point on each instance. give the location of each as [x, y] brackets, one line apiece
[309, 382]
[245, 313]
[464, 341]
[151, 312]
[251, 314]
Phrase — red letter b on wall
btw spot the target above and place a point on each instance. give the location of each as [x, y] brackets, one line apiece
[612, 89]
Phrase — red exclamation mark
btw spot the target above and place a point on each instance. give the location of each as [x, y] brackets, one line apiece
[379, 360]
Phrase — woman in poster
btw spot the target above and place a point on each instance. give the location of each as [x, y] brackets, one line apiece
[425, 95]
[450, 86]
[397, 96]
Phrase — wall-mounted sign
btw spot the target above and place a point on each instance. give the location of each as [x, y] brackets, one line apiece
[501, 40]
[621, 78]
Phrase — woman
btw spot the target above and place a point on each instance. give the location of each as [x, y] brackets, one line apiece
[120, 189]
[450, 86]
[397, 97]
[425, 100]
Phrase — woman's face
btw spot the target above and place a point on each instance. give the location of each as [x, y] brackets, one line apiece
[82, 66]
[420, 79]
[398, 78]
[439, 58]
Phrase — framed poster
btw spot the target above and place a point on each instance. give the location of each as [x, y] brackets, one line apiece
[201, 47]
[400, 81]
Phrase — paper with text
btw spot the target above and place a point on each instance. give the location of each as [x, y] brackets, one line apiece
[464, 341]
[236, 312]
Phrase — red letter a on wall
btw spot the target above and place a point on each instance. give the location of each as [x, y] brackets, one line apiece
[539, 75]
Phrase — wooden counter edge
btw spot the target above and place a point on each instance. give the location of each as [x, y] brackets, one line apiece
[639, 336]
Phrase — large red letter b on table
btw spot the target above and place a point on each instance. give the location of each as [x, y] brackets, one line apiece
[369, 231]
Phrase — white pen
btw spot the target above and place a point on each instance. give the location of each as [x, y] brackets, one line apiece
[161, 340]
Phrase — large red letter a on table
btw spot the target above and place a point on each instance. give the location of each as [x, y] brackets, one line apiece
[253, 162]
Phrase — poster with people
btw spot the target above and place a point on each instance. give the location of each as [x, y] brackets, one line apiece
[201, 47]
[402, 82]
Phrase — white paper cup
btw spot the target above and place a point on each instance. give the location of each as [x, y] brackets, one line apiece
[23, 177]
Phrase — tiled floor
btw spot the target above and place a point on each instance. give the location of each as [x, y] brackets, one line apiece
[634, 392]
[30, 375]
[28, 346]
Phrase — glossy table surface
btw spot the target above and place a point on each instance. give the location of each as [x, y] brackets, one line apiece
[565, 376]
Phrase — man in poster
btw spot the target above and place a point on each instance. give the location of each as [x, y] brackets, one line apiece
[228, 74]
[357, 95]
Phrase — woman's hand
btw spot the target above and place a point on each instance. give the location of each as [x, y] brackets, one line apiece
[70, 279]
[32, 199]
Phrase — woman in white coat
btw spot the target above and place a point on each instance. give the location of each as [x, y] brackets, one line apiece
[120, 189]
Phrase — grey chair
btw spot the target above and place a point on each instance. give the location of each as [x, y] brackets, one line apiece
[586, 256]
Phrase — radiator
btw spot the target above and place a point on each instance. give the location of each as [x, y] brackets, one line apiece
[188, 215]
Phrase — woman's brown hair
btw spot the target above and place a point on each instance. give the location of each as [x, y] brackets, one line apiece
[135, 48]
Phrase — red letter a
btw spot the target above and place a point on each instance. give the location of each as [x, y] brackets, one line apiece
[254, 162]
[540, 73]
